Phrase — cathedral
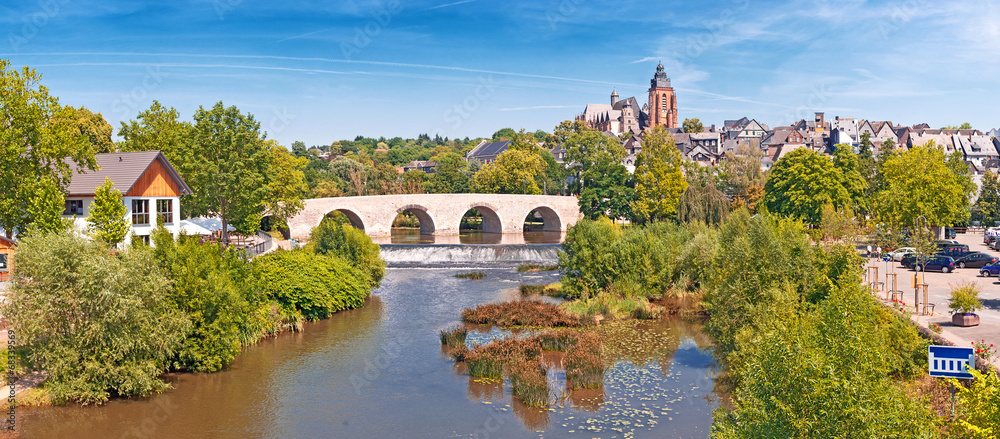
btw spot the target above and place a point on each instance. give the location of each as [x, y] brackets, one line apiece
[625, 115]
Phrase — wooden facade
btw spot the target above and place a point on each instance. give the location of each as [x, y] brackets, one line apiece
[155, 182]
[7, 250]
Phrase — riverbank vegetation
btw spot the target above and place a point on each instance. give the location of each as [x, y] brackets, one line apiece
[108, 323]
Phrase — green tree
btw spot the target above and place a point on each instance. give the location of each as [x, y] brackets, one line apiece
[801, 183]
[504, 134]
[451, 176]
[963, 126]
[562, 132]
[93, 126]
[851, 177]
[36, 138]
[513, 172]
[741, 178]
[157, 129]
[702, 202]
[601, 179]
[987, 207]
[287, 183]
[107, 219]
[659, 181]
[924, 181]
[228, 167]
[100, 324]
[693, 126]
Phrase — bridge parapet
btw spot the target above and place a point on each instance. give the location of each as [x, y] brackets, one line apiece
[439, 214]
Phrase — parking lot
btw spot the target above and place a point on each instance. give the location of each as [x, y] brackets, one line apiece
[939, 287]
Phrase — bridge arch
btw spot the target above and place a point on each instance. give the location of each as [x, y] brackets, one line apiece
[491, 217]
[551, 222]
[427, 226]
[352, 217]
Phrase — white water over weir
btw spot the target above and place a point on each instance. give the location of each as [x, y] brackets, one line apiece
[443, 255]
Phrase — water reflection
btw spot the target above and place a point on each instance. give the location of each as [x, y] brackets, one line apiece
[413, 236]
[379, 371]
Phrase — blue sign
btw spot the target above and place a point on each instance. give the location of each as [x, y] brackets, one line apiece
[951, 361]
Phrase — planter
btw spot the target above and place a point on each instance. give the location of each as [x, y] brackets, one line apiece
[965, 319]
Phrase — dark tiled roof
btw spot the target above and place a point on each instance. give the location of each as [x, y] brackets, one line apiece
[490, 149]
[124, 170]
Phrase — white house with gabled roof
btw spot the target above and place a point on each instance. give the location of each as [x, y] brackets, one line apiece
[149, 184]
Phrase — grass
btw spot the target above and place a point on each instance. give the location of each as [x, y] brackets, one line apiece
[526, 268]
[610, 306]
[520, 313]
[475, 275]
[488, 361]
[453, 337]
[557, 340]
[551, 290]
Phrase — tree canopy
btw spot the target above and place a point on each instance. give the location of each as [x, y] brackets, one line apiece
[693, 126]
[923, 181]
[659, 181]
[801, 183]
[227, 164]
[107, 219]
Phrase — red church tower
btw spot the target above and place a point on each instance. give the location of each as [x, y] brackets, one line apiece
[662, 101]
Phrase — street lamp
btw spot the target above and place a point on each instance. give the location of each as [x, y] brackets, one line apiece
[923, 265]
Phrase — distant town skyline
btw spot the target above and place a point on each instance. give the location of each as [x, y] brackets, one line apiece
[320, 72]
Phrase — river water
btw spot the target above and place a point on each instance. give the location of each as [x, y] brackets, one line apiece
[381, 372]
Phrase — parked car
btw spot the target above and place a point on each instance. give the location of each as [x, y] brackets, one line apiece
[897, 254]
[908, 259]
[943, 263]
[975, 260]
[990, 270]
[954, 250]
[949, 233]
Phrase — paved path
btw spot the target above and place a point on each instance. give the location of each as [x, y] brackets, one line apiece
[939, 289]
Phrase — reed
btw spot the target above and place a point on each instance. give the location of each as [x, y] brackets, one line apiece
[475, 275]
[527, 290]
[557, 340]
[528, 381]
[453, 337]
[584, 362]
[520, 313]
[488, 360]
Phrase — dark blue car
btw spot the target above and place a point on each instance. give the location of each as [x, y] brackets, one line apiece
[990, 270]
[944, 263]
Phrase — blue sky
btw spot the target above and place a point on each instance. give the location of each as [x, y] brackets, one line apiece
[324, 71]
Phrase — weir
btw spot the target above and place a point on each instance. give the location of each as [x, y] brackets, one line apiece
[446, 255]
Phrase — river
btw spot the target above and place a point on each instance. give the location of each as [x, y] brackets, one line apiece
[381, 372]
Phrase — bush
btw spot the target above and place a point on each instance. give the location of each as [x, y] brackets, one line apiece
[965, 298]
[312, 284]
[980, 405]
[211, 285]
[826, 373]
[353, 245]
[100, 324]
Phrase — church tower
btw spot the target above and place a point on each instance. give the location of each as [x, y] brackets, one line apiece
[614, 97]
[662, 101]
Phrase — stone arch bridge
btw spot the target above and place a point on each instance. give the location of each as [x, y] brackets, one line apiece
[439, 214]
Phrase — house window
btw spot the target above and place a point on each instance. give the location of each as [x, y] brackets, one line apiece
[3, 262]
[165, 210]
[73, 207]
[140, 212]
